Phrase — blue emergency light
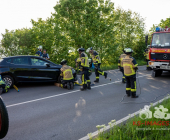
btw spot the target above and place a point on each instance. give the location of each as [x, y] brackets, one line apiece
[157, 29]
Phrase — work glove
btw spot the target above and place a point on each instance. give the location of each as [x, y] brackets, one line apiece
[136, 68]
[119, 67]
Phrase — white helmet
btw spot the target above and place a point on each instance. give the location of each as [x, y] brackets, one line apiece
[89, 49]
[40, 47]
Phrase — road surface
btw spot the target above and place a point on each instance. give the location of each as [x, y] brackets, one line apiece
[47, 112]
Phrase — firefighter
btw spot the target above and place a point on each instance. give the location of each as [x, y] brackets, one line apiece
[78, 64]
[146, 54]
[130, 67]
[39, 52]
[97, 62]
[120, 66]
[84, 68]
[67, 80]
[4, 88]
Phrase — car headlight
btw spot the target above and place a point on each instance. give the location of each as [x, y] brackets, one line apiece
[151, 63]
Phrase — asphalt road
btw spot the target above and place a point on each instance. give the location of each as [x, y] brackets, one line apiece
[47, 112]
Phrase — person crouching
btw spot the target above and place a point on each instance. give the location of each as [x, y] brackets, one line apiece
[67, 80]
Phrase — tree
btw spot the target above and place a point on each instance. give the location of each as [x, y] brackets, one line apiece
[87, 23]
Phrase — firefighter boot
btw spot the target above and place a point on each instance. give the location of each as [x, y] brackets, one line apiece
[134, 95]
[128, 93]
[105, 75]
[84, 87]
[72, 85]
[97, 80]
[89, 85]
[68, 85]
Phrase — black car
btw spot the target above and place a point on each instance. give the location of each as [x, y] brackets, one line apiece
[17, 69]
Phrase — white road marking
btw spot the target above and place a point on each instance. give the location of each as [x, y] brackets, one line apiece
[65, 93]
[94, 134]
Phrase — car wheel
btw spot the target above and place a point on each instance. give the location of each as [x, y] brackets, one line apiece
[59, 79]
[9, 81]
[1, 90]
[156, 73]
[4, 121]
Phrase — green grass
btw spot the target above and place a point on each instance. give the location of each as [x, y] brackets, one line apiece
[129, 130]
[115, 66]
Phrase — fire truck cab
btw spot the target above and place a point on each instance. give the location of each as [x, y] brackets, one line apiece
[159, 53]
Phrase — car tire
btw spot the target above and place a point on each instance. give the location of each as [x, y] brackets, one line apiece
[156, 73]
[9, 81]
[4, 121]
[1, 90]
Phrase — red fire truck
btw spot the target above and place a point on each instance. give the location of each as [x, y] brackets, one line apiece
[159, 53]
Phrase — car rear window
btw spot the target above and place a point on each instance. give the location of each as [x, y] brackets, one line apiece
[1, 60]
[21, 61]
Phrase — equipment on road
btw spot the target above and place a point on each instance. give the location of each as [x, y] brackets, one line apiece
[16, 88]
[159, 52]
[4, 120]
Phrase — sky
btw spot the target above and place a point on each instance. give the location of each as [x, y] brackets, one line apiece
[16, 14]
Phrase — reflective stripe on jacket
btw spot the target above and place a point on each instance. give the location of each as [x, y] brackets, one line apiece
[84, 60]
[66, 72]
[95, 57]
[146, 54]
[120, 59]
[129, 63]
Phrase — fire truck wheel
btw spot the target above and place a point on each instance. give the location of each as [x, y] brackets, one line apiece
[156, 73]
[4, 122]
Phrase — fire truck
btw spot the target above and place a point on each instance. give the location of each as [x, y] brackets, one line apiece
[159, 53]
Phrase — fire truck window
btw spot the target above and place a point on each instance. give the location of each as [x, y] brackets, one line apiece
[162, 39]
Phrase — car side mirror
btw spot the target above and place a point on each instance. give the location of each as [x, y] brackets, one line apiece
[48, 65]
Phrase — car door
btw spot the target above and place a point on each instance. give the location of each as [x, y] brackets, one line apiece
[41, 72]
[20, 67]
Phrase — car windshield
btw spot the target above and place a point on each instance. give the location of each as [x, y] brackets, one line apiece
[161, 40]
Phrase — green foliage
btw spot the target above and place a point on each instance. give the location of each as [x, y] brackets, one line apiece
[80, 23]
[165, 23]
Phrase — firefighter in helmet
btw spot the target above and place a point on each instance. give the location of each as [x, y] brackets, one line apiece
[130, 67]
[39, 52]
[67, 80]
[84, 68]
[78, 64]
[97, 62]
[146, 54]
[120, 66]
[3, 87]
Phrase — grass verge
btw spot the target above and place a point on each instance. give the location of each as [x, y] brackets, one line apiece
[115, 66]
[140, 129]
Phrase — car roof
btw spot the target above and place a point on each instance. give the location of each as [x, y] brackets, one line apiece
[21, 56]
[27, 56]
